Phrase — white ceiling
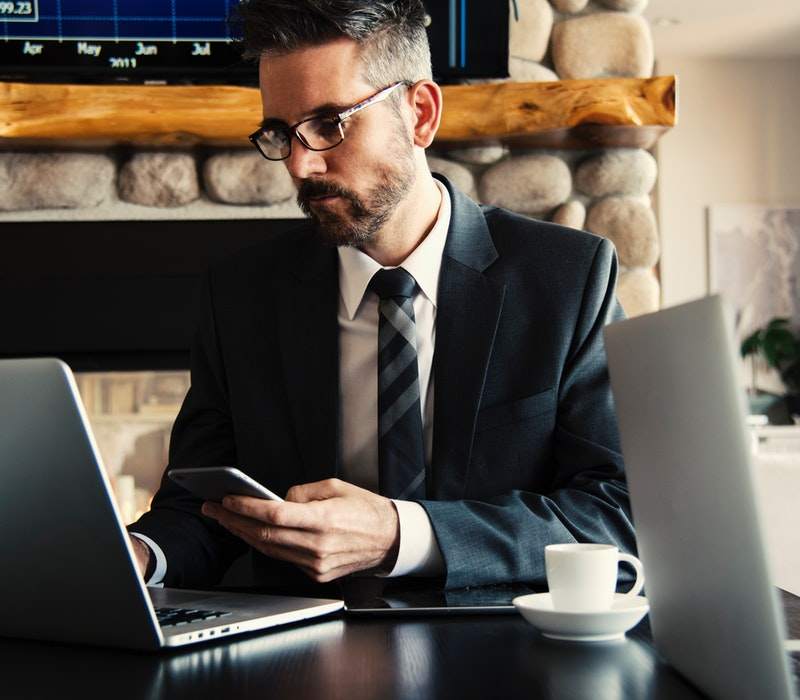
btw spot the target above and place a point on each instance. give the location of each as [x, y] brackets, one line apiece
[742, 28]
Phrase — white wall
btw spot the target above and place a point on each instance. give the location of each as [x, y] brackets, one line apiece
[737, 141]
[777, 481]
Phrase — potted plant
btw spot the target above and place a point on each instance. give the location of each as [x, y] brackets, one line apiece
[780, 348]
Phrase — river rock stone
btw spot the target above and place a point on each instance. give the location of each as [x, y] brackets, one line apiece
[159, 179]
[54, 180]
[630, 225]
[458, 174]
[531, 184]
[603, 44]
[529, 33]
[244, 177]
[529, 71]
[572, 214]
[569, 7]
[479, 155]
[629, 171]
[638, 291]
[625, 5]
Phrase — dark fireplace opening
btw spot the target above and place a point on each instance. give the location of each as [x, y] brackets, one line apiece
[112, 295]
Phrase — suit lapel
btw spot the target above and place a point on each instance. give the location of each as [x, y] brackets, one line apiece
[309, 338]
[468, 311]
[469, 304]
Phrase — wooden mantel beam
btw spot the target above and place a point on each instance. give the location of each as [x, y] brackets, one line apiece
[565, 113]
[568, 113]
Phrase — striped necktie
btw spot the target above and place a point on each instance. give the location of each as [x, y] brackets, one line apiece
[401, 450]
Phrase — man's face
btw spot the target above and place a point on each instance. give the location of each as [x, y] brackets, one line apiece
[352, 189]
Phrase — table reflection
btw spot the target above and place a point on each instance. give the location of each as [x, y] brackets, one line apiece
[365, 658]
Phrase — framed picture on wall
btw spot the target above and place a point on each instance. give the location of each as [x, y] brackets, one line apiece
[754, 262]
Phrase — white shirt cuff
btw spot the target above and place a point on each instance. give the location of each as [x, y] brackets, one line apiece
[157, 578]
[419, 553]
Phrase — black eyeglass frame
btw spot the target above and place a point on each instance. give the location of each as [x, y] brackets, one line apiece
[339, 118]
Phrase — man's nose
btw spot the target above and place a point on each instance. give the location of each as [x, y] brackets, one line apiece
[303, 163]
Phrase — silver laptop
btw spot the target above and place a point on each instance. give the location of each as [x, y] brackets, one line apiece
[68, 570]
[714, 612]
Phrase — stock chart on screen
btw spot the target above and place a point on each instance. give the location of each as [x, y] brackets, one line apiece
[125, 39]
[193, 41]
[113, 20]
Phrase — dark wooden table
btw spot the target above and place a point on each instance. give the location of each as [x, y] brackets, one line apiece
[497, 656]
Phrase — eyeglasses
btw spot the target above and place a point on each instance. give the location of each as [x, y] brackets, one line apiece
[318, 133]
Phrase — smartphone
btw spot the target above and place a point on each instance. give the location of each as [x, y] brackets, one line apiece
[213, 483]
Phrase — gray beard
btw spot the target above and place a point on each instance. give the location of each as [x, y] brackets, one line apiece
[365, 217]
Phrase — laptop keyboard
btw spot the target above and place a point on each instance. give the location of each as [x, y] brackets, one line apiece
[172, 617]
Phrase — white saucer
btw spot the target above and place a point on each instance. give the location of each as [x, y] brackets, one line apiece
[603, 626]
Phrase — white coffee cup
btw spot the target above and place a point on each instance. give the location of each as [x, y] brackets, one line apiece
[583, 577]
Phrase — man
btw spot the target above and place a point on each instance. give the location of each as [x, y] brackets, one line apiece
[422, 377]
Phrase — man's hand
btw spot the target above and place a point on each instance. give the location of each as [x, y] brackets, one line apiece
[328, 528]
[142, 552]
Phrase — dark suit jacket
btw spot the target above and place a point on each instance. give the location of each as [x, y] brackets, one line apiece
[525, 443]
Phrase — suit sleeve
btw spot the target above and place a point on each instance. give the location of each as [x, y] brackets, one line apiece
[198, 550]
[503, 537]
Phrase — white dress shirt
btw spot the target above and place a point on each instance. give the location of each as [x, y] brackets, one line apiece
[358, 386]
[358, 379]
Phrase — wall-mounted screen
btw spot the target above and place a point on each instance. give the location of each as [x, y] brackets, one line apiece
[190, 41]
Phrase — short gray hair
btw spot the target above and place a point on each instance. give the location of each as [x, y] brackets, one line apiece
[391, 32]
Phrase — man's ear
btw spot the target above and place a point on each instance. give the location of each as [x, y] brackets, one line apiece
[426, 105]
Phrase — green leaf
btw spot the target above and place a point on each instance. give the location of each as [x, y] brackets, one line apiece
[778, 346]
[751, 344]
[777, 323]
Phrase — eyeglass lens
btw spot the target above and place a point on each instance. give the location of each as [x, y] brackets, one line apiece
[317, 134]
